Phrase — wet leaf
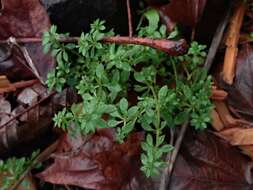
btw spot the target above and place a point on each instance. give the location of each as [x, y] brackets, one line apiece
[241, 92]
[186, 12]
[98, 163]
[207, 162]
[25, 18]
[238, 136]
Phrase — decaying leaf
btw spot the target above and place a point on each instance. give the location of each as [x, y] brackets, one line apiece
[24, 18]
[225, 115]
[216, 121]
[241, 92]
[186, 12]
[207, 162]
[98, 163]
[238, 136]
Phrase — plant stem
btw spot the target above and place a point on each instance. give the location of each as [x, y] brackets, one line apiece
[186, 71]
[175, 71]
[158, 114]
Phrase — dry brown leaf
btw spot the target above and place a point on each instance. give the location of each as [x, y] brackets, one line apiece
[232, 43]
[97, 163]
[206, 162]
[186, 12]
[24, 18]
[218, 94]
[216, 121]
[247, 150]
[238, 136]
[225, 115]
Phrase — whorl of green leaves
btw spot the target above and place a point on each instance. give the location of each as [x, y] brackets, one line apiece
[12, 169]
[104, 74]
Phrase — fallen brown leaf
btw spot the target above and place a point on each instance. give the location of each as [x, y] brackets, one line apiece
[238, 136]
[186, 12]
[216, 121]
[241, 92]
[227, 119]
[208, 162]
[97, 163]
[24, 18]
[247, 150]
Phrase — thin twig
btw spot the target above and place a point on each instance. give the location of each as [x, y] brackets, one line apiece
[40, 158]
[168, 170]
[169, 46]
[16, 85]
[129, 14]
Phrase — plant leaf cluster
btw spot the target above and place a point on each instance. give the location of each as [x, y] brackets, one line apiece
[12, 169]
[169, 90]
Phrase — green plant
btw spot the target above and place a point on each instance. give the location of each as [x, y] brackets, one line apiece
[12, 169]
[105, 74]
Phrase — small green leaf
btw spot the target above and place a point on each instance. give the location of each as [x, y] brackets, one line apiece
[166, 148]
[128, 128]
[139, 77]
[123, 105]
[132, 112]
[101, 123]
[149, 140]
[163, 92]
[153, 18]
[100, 71]
[113, 123]
[181, 117]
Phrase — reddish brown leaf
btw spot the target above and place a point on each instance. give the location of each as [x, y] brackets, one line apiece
[216, 121]
[100, 163]
[238, 136]
[186, 12]
[25, 18]
[241, 92]
[22, 18]
[207, 162]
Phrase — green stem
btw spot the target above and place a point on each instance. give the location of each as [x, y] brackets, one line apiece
[175, 71]
[158, 114]
[187, 72]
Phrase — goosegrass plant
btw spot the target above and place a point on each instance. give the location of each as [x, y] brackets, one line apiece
[169, 90]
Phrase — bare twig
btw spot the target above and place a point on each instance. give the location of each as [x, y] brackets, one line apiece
[16, 85]
[40, 158]
[129, 14]
[168, 170]
[169, 46]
